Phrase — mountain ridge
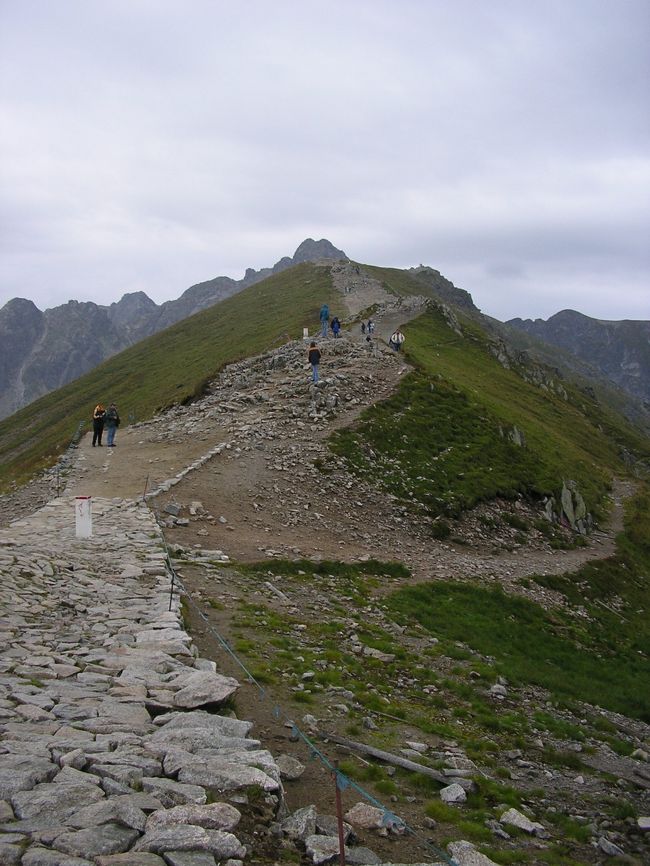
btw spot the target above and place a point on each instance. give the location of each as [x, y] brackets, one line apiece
[619, 349]
[43, 350]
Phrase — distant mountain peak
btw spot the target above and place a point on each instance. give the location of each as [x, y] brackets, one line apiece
[619, 350]
[311, 250]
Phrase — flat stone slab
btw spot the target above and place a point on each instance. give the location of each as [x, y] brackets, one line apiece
[131, 858]
[186, 837]
[213, 816]
[204, 687]
[23, 772]
[172, 793]
[121, 810]
[189, 858]
[231, 773]
[93, 842]
[52, 801]
[224, 725]
[37, 856]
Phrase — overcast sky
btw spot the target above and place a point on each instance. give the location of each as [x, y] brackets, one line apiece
[149, 144]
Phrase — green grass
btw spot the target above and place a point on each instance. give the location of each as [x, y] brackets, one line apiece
[558, 727]
[530, 644]
[441, 442]
[569, 827]
[430, 446]
[173, 366]
[570, 760]
[596, 660]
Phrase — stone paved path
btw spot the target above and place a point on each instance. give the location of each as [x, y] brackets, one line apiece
[103, 750]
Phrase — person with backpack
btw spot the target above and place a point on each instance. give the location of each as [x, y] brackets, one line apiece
[396, 340]
[313, 356]
[324, 320]
[112, 422]
[99, 415]
[336, 326]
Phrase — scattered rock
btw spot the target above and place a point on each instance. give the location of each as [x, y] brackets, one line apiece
[290, 767]
[516, 819]
[453, 794]
[610, 848]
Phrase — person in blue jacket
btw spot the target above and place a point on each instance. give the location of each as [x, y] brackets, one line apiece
[324, 319]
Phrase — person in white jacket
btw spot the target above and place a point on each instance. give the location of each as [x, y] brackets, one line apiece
[397, 339]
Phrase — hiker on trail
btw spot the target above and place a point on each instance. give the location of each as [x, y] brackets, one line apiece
[363, 329]
[371, 326]
[396, 340]
[324, 319]
[112, 422]
[314, 359]
[336, 326]
[99, 415]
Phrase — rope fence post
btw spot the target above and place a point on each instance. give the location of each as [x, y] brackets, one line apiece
[339, 819]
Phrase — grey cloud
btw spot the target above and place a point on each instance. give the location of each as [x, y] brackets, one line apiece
[150, 145]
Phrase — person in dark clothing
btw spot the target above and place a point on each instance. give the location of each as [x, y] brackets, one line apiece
[314, 359]
[324, 317]
[98, 424]
[336, 326]
[112, 422]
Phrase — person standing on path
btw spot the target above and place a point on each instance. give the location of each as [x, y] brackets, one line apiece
[324, 320]
[112, 422]
[396, 340]
[336, 326]
[314, 359]
[98, 424]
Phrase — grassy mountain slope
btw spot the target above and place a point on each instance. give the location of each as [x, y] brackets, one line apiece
[456, 412]
[442, 442]
[170, 367]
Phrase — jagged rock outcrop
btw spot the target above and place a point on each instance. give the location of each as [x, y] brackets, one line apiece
[40, 352]
[619, 350]
[443, 287]
[133, 315]
[21, 327]
[521, 362]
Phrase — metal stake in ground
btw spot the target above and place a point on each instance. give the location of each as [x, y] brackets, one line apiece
[339, 818]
